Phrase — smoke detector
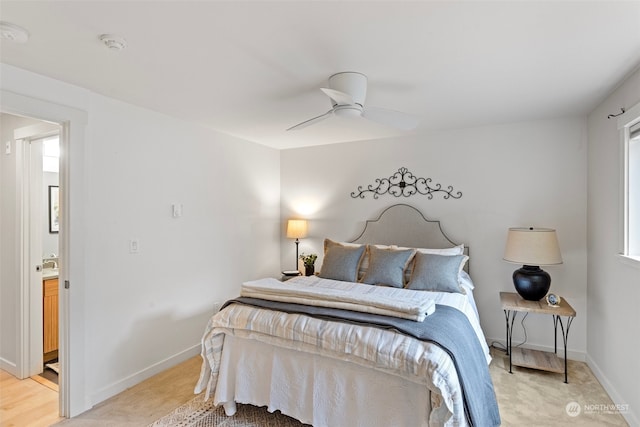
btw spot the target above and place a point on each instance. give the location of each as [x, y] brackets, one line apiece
[13, 32]
[113, 42]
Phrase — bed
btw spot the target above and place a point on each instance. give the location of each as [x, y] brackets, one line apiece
[338, 350]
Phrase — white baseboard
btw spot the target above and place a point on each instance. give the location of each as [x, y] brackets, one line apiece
[579, 356]
[8, 366]
[632, 418]
[136, 378]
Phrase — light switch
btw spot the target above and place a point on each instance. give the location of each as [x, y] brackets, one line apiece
[7, 148]
[177, 210]
[134, 246]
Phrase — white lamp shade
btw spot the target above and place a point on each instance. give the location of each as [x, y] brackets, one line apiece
[532, 246]
[296, 228]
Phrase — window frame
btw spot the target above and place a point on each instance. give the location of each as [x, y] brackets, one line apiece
[629, 119]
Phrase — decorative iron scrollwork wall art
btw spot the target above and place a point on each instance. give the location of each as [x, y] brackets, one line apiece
[404, 183]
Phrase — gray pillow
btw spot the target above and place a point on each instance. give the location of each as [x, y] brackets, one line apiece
[341, 262]
[386, 266]
[437, 272]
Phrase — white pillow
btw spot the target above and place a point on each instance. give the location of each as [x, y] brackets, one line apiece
[465, 281]
[456, 250]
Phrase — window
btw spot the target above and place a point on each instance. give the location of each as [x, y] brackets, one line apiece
[51, 154]
[630, 126]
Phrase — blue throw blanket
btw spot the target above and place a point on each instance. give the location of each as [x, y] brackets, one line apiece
[481, 407]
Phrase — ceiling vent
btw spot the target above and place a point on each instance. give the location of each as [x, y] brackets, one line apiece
[113, 42]
[13, 32]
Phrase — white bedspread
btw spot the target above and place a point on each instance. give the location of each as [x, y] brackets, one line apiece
[417, 361]
[312, 290]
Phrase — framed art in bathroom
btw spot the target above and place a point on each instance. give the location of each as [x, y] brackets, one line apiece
[54, 209]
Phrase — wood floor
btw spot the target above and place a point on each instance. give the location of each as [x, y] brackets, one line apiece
[26, 403]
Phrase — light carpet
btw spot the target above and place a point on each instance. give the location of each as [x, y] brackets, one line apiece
[526, 398]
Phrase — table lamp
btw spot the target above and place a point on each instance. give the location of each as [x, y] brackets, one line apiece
[296, 229]
[532, 247]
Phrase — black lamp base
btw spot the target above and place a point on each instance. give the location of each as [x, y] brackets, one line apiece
[531, 282]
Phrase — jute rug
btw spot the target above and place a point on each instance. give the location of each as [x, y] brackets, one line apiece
[198, 413]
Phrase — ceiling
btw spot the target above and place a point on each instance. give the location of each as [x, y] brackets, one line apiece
[254, 69]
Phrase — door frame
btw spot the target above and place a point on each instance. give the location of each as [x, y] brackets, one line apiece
[72, 400]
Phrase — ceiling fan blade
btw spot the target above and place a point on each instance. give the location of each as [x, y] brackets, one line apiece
[311, 121]
[338, 97]
[396, 119]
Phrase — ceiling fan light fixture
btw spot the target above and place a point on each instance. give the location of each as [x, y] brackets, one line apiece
[348, 111]
[352, 83]
[13, 33]
[347, 92]
[113, 42]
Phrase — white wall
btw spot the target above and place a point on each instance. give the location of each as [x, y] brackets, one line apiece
[142, 312]
[513, 175]
[614, 285]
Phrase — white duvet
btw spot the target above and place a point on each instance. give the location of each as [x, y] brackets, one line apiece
[312, 290]
[381, 349]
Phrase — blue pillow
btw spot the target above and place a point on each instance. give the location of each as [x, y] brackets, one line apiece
[439, 273]
[387, 266]
[341, 262]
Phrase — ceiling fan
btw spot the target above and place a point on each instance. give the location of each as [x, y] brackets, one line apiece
[347, 92]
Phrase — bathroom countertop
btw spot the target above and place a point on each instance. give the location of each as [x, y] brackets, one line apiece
[49, 273]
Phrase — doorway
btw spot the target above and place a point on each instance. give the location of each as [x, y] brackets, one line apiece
[30, 272]
[72, 123]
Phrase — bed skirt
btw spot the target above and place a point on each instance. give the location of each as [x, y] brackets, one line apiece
[319, 390]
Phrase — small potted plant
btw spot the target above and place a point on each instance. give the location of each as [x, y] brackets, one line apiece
[308, 261]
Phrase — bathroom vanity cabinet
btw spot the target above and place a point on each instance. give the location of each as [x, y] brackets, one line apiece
[50, 318]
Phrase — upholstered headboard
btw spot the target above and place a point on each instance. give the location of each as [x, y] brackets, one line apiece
[404, 225]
